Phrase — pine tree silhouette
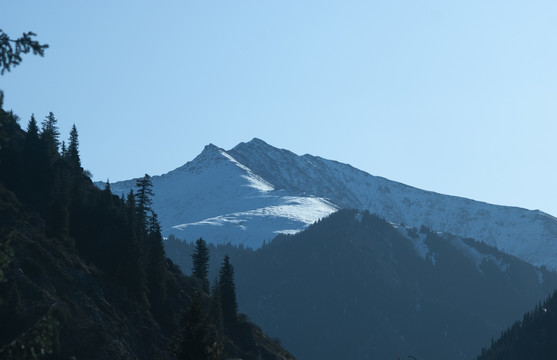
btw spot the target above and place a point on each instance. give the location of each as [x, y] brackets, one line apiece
[73, 149]
[200, 258]
[228, 295]
[143, 200]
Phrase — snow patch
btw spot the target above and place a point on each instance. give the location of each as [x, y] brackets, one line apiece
[252, 227]
[287, 232]
[255, 181]
[299, 209]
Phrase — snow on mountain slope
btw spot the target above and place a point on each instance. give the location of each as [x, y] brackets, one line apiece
[217, 198]
[250, 193]
[530, 235]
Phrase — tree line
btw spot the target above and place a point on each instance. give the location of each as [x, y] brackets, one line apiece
[120, 235]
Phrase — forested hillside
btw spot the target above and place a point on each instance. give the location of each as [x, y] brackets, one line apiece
[83, 273]
[534, 337]
[355, 286]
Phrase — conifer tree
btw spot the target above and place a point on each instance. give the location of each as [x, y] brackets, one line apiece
[107, 199]
[155, 247]
[130, 203]
[31, 145]
[132, 272]
[32, 131]
[143, 199]
[52, 184]
[73, 167]
[47, 156]
[73, 149]
[200, 258]
[31, 163]
[50, 135]
[228, 295]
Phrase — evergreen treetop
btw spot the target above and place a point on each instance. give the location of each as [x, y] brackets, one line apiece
[200, 258]
[32, 129]
[143, 199]
[73, 149]
[31, 143]
[50, 135]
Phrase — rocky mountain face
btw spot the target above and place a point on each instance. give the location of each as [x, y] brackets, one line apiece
[251, 193]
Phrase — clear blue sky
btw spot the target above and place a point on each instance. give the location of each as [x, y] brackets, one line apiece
[458, 97]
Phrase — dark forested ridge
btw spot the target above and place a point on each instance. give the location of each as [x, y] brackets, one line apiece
[353, 286]
[83, 273]
[534, 337]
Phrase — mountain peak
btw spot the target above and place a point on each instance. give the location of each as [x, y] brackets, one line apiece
[211, 151]
[254, 144]
[210, 154]
[246, 152]
[211, 148]
[257, 142]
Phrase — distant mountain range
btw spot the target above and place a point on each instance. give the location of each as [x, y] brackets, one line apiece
[251, 193]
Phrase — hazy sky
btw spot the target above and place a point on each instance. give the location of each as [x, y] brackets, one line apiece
[458, 97]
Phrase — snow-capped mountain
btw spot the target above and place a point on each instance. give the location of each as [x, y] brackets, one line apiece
[254, 191]
[218, 198]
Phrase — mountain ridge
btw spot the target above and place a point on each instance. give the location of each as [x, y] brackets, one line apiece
[355, 286]
[232, 204]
